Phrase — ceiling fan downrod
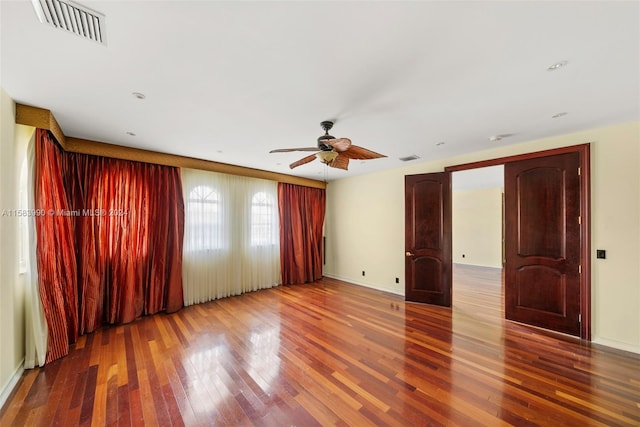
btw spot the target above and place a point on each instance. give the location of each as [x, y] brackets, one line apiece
[326, 125]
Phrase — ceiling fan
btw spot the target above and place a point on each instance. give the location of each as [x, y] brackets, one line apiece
[334, 152]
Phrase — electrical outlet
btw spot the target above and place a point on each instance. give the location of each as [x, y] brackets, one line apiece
[463, 255]
[363, 272]
[397, 280]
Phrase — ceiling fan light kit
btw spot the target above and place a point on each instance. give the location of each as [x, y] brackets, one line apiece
[332, 151]
[326, 156]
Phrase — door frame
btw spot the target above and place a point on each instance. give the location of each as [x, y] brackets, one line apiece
[583, 151]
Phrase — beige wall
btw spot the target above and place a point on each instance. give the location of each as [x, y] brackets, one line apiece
[13, 147]
[365, 226]
[477, 227]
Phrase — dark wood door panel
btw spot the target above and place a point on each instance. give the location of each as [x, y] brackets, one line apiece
[428, 269]
[428, 282]
[540, 233]
[428, 238]
[427, 196]
[541, 289]
[543, 246]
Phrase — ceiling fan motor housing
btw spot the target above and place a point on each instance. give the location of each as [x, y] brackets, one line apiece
[326, 126]
[321, 142]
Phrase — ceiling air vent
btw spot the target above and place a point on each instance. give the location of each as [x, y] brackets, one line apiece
[409, 158]
[72, 17]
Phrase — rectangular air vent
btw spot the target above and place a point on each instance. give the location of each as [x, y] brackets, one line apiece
[408, 158]
[72, 17]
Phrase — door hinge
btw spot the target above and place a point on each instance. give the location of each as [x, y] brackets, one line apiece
[580, 220]
[579, 171]
[580, 318]
[580, 269]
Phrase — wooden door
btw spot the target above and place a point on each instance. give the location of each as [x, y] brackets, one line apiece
[428, 238]
[542, 221]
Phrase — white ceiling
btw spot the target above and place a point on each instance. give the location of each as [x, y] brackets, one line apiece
[229, 81]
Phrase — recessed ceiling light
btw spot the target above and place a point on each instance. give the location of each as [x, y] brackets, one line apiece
[555, 116]
[131, 133]
[557, 65]
[138, 95]
[496, 138]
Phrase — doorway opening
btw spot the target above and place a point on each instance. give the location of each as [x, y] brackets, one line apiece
[478, 243]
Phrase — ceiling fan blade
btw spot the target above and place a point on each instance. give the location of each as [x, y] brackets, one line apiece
[287, 150]
[339, 144]
[340, 162]
[303, 160]
[359, 153]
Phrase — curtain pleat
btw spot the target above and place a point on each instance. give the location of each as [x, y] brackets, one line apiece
[118, 252]
[302, 211]
[57, 266]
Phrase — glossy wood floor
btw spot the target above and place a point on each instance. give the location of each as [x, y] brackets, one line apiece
[333, 354]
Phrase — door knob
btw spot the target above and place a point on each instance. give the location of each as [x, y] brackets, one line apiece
[408, 253]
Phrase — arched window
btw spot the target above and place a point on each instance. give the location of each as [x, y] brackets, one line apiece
[264, 220]
[204, 213]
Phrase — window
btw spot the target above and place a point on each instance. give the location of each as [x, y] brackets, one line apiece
[204, 219]
[264, 221]
[231, 239]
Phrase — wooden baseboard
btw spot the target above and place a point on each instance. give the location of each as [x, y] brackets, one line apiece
[367, 285]
[8, 388]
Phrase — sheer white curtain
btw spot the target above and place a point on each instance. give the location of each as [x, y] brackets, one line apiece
[231, 237]
[35, 323]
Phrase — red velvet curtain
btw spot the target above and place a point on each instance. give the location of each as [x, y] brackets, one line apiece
[126, 225]
[302, 212]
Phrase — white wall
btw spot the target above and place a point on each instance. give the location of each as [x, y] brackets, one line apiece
[365, 226]
[477, 227]
[13, 147]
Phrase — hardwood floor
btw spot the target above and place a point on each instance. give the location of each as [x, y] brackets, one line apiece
[331, 353]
